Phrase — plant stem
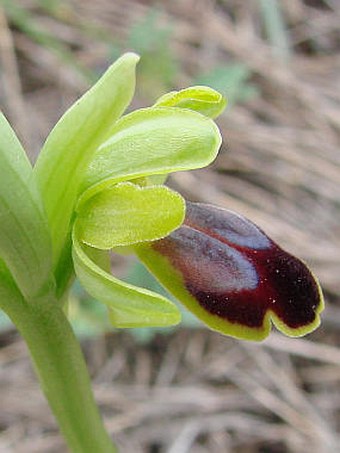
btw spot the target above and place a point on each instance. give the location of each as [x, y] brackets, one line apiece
[62, 371]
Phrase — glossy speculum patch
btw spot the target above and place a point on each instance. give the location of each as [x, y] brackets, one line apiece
[237, 274]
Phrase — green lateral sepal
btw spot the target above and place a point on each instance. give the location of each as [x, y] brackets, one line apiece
[125, 214]
[129, 306]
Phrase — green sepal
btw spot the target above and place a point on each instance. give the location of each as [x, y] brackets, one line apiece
[24, 238]
[201, 99]
[129, 306]
[152, 141]
[126, 214]
[69, 147]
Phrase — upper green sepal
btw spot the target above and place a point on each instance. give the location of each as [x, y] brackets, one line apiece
[152, 141]
[125, 214]
[201, 99]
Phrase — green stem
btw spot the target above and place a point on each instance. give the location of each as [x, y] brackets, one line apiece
[62, 371]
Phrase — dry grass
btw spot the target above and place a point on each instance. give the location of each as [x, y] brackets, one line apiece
[194, 391]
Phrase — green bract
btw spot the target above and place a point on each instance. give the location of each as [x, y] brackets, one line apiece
[70, 146]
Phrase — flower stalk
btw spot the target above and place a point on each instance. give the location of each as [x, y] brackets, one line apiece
[60, 366]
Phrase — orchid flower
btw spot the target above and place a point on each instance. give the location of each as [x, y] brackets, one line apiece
[99, 176]
[104, 188]
[97, 186]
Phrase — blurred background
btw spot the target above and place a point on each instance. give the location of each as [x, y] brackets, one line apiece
[187, 389]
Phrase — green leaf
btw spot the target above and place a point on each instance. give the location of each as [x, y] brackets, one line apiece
[11, 298]
[24, 238]
[201, 99]
[152, 141]
[71, 144]
[126, 214]
[129, 306]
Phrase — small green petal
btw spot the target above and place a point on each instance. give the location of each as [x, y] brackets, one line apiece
[201, 99]
[129, 305]
[126, 214]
